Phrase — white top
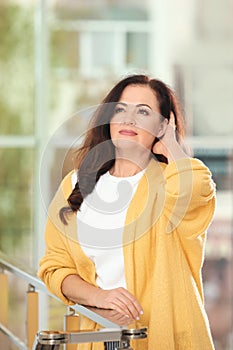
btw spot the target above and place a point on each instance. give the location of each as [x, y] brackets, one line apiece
[100, 223]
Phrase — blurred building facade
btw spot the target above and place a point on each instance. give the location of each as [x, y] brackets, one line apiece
[59, 58]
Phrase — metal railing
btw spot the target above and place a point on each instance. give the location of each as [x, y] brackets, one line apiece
[32, 302]
[52, 340]
[36, 340]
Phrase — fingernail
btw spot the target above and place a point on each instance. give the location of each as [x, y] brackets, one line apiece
[137, 318]
[141, 312]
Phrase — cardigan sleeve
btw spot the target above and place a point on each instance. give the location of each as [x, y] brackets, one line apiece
[57, 263]
[189, 197]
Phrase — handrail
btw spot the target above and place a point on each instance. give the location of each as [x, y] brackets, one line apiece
[15, 340]
[32, 280]
[50, 340]
[99, 316]
[28, 276]
[24, 273]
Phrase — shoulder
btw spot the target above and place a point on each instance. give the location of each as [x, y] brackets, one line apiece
[186, 164]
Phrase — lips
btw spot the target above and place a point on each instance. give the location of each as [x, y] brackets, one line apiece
[127, 132]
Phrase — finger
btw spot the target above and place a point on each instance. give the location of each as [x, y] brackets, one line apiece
[120, 304]
[134, 310]
[124, 321]
[123, 302]
[124, 306]
[132, 304]
[120, 319]
[172, 121]
[120, 307]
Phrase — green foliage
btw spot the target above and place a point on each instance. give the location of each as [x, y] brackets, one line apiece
[16, 69]
[16, 198]
[16, 118]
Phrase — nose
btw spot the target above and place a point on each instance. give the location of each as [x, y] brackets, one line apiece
[128, 122]
[130, 116]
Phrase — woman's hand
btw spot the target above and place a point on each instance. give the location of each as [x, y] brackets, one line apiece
[118, 299]
[162, 146]
[168, 145]
[113, 316]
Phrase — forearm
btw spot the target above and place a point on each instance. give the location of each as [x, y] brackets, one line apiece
[79, 291]
[190, 193]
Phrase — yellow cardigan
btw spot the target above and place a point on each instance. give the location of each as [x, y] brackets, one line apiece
[164, 239]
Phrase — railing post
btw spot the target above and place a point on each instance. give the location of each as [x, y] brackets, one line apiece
[4, 307]
[71, 324]
[32, 315]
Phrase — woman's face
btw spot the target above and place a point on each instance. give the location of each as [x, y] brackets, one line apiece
[136, 118]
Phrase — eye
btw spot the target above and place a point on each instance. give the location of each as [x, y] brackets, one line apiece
[119, 109]
[143, 111]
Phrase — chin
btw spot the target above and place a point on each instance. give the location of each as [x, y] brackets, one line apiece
[125, 144]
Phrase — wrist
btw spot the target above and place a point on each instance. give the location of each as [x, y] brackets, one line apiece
[79, 291]
[175, 152]
[95, 296]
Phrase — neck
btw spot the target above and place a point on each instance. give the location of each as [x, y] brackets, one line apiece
[125, 166]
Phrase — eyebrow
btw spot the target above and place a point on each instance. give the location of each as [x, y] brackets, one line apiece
[138, 105]
[143, 104]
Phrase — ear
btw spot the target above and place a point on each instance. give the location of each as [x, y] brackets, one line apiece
[162, 128]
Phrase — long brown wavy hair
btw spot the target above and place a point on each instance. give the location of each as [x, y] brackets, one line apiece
[97, 154]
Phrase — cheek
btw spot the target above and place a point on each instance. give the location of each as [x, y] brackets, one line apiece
[151, 128]
[112, 129]
[148, 133]
[147, 139]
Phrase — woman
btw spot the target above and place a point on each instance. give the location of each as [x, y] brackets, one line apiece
[126, 230]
